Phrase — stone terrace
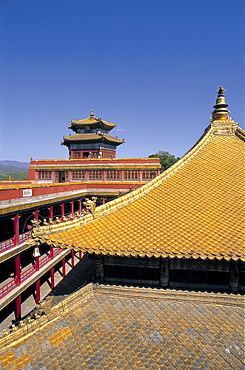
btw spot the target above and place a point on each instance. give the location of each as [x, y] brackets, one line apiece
[111, 327]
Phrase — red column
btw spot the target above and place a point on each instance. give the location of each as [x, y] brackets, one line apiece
[50, 213]
[63, 267]
[72, 259]
[17, 270]
[103, 200]
[62, 210]
[80, 255]
[18, 308]
[69, 177]
[72, 207]
[51, 252]
[79, 206]
[52, 277]
[38, 291]
[35, 214]
[16, 229]
[122, 175]
[53, 176]
[37, 263]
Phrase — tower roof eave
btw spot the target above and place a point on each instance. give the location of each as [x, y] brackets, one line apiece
[93, 122]
[91, 137]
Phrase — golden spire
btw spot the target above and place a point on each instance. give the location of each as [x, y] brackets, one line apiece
[220, 111]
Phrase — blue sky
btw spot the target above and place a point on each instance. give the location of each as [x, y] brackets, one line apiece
[151, 66]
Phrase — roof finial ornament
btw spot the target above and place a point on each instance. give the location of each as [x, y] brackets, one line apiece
[220, 112]
[91, 113]
[221, 91]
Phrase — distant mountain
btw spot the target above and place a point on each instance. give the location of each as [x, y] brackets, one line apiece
[15, 164]
[13, 170]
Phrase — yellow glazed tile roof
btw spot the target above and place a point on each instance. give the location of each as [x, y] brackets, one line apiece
[93, 136]
[92, 120]
[195, 209]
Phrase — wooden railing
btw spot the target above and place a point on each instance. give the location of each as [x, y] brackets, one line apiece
[7, 288]
[24, 237]
[7, 244]
[10, 243]
[27, 273]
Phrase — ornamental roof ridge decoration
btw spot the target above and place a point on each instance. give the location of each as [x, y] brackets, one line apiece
[221, 122]
[220, 111]
[194, 209]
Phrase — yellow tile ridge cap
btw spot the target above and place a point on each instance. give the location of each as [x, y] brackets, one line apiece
[108, 208]
[239, 132]
[43, 232]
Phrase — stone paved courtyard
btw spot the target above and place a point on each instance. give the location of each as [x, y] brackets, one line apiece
[125, 328]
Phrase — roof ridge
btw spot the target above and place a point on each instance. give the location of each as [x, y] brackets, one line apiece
[205, 297]
[239, 132]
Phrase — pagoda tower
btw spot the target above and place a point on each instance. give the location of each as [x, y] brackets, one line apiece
[91, 139]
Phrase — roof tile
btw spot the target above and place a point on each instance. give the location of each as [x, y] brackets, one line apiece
[194, 209]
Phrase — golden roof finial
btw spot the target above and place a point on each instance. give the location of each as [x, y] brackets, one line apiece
[220, 111]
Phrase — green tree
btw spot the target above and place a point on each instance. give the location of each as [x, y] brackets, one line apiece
[166, 159]
[20, 176]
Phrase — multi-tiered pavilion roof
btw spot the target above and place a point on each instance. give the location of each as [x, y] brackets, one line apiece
[91, 137]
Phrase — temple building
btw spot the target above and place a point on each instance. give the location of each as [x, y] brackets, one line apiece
[184, 229]
[57, 191]
[91, 139]
[172, 240]
[92, 158]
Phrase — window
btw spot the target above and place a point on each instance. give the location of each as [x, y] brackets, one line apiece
[130, 175]
[199, 276]
[179, 275]
[113, 175]
[95, 175]
[148, 175]
[132, 272]
[93, 154]
[76, 154]
[78, 175]
[106, 153]
[44, 175]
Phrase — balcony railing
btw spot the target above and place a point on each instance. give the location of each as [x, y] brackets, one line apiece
[27, 273]
[7, 288]
[7, 244]
[43, 260]
[25, 236]
[10, 243]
